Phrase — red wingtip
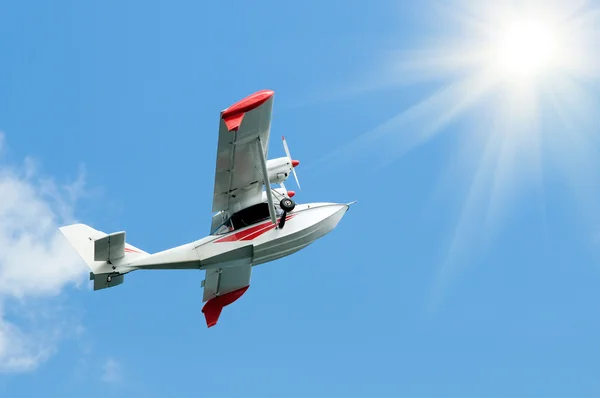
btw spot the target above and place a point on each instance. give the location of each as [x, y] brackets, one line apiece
[235, 113]
[213, 307]
[233, 122]
[295, 163]
[212, 316]
[291, 194]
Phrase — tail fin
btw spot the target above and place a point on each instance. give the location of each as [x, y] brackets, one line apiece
[100, 252]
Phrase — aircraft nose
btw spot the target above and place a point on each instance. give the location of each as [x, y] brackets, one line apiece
[295, 163]
[338, 211]
[329, 216]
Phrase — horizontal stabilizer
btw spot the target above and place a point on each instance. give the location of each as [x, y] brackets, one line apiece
[103, 281]
[110, 247]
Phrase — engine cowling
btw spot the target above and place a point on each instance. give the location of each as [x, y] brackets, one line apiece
[279, 169]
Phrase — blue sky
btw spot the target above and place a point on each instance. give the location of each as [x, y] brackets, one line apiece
[468, 268]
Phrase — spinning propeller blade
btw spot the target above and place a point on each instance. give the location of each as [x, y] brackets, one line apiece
[294, 162]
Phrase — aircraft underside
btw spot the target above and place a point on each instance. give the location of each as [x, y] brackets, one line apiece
[252, 223]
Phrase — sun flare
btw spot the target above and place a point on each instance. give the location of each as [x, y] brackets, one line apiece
[526, 48]
[524, 76]
[511, 60]
[518, 82]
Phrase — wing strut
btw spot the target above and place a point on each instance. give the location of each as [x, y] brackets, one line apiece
[263, 163]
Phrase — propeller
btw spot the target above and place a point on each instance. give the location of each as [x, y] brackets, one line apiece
[294, 162]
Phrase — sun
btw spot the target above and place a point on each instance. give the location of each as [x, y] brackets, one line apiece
[527, 48]
[517, 82]
[515, 60]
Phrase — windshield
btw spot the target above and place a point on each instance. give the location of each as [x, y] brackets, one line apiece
[223, 228]
[245, 217]
[250, 215]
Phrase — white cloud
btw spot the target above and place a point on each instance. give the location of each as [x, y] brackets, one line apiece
[111, 371]
[19, 352]
[36, 263]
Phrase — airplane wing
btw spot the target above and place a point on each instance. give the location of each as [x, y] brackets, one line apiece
[244, 128]
[223, 286]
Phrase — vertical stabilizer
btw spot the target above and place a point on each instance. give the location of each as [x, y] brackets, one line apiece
[82, 238]
[101, 252]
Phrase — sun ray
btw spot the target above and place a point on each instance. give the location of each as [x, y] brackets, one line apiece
[533, 66]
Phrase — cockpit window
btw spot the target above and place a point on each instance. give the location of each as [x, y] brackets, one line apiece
[223, 228]
[243, 218]
[250, 215]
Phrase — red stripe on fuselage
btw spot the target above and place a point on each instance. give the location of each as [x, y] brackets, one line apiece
[262, 231]
[239, 235]
[252, 232]
[259, 232]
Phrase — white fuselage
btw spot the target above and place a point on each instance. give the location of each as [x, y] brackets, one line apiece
[255, 244]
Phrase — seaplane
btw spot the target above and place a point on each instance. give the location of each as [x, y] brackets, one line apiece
[252, 222]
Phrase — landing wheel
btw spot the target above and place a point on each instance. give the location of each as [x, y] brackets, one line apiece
[287, 204]
[108, 279]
